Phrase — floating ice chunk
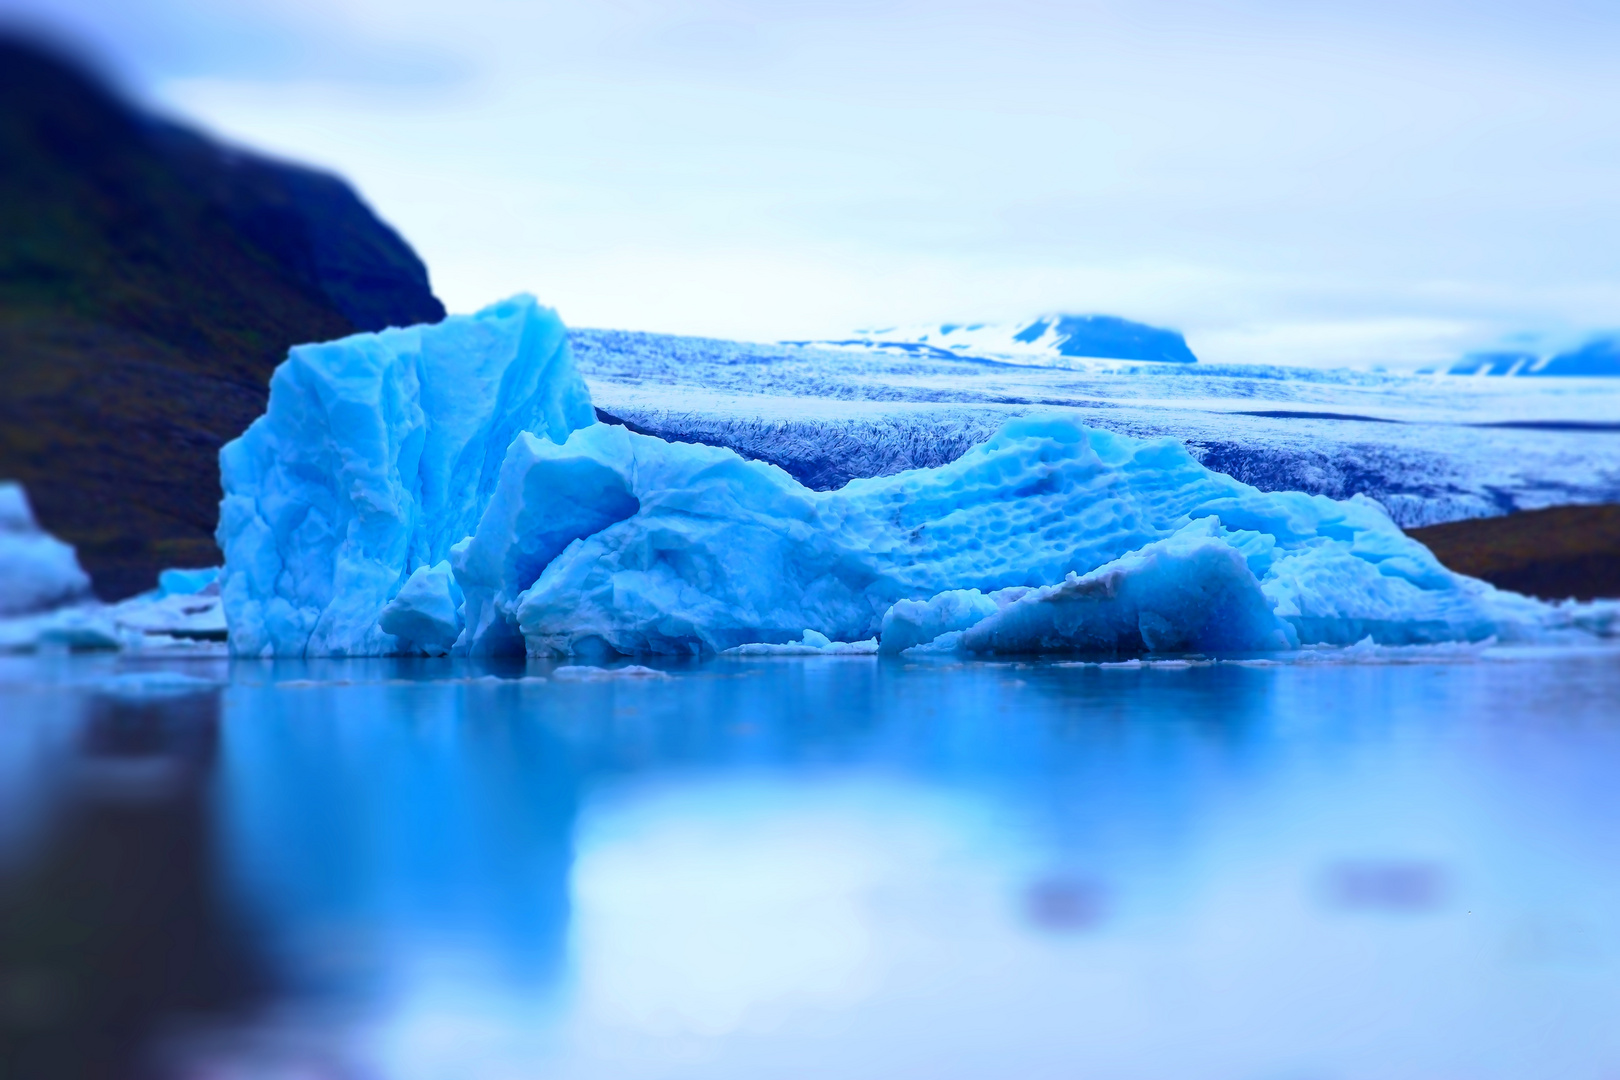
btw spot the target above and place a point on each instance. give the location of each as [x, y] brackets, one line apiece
[426, 612]
[375, 455]
[1192, 592]
[37, 571]
[909, 623]
[86, 629]
[812, 644]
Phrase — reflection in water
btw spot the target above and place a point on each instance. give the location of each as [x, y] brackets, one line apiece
[837, 867]
[112, 933]
[1066, 904]
[1387, 886]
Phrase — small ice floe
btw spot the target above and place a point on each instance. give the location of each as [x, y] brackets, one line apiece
[1368, 651]
[1138, 664]
[183, 613]
[464, 680]
[188, 616]
[812, 644]
[588, 673]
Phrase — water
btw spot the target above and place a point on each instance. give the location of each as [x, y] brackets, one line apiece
[828, 867]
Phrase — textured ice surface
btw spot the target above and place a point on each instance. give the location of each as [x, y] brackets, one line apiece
[37, 571]
[375, 455]
[426, 612]
[1429, 448]
[707, 551]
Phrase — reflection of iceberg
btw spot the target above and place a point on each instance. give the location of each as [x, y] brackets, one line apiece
[450, 482]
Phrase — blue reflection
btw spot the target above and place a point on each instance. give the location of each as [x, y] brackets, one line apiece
[868, 868]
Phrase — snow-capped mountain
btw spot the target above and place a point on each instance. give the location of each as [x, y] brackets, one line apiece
[1048, 340]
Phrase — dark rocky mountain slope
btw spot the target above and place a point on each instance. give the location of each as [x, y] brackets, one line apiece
[150, 281]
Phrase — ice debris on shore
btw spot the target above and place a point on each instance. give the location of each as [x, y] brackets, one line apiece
[446, 488]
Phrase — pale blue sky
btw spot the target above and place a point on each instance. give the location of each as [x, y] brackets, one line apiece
[1371, 182]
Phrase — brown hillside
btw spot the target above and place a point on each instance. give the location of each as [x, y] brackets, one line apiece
[1565, 551]
[150, 281]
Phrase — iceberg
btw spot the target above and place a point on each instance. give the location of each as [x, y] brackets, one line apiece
[376, 454]
[447, 488]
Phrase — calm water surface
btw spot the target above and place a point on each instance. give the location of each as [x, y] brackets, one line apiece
[832, 867]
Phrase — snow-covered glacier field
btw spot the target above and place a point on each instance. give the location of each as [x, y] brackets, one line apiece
[1430, 448]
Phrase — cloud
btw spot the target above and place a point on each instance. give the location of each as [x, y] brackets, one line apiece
[1266, 177]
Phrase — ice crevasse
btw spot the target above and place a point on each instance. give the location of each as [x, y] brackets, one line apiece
[448, 489]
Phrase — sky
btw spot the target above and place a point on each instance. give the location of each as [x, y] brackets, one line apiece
[1378, 182]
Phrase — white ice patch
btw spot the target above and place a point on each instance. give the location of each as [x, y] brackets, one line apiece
[812, 644]
[591, 673]
[910, 623]
[37, 571]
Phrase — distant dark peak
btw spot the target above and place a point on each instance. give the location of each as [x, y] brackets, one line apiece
[1032, 332]
[310, 225]
[1112, 338]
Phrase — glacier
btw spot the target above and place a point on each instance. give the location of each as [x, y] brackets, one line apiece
[448, 489]
[1429, 448]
